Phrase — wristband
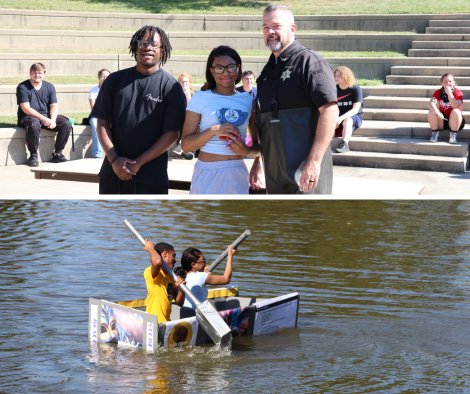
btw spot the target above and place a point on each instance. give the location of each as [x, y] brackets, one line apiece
[112, 161]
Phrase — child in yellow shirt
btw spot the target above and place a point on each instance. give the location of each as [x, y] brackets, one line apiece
[160, 285]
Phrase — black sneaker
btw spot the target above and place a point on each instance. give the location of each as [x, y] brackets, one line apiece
[58, 158]
[187, 156]
[33, 161]
[343, 147]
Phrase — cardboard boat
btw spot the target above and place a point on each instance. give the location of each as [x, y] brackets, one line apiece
[126, 322]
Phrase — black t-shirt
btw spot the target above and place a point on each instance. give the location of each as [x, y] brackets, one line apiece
[141, 107]
[347, 97]
[39, 100]
[307, 81]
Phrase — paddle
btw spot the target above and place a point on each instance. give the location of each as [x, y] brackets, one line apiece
[218, 260]
[206, 314]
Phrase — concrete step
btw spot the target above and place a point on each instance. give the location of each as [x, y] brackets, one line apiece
[448, 30]
[402, 115]
[412, 146]
[449, 23]
[384, 128]
[424, 80]
[402, 102]
[391, 90]
[400, 161]
[439, 52]
[440, 45]
[431, 70]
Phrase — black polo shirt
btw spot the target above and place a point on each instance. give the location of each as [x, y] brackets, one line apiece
[307, 81]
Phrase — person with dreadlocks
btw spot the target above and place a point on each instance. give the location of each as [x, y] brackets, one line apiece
[140, 112]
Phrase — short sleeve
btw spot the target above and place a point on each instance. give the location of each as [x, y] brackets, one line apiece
[357, 94]
[52, 95]
[458, 95]
[22, 95]
[437, 94]
[104, 105]
[93, 93]
[321, 85]
[175, 109]
[196, 104]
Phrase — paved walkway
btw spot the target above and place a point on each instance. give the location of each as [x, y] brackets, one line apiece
[350, 182]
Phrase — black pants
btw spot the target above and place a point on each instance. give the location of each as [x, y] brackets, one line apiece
[33, 128]
[116, 186]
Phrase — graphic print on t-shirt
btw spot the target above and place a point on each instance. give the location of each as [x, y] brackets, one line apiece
[347, 97]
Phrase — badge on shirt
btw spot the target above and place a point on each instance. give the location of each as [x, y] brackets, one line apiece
[286, 74]
[232, 116]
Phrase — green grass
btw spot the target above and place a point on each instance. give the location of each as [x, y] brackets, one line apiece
[54, 79]
[267, 53]
[246, 7]
[369, 82]
[201, 52]
[245, 31]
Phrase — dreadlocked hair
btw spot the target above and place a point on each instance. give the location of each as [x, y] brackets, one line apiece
[179, 271]
[141, 33]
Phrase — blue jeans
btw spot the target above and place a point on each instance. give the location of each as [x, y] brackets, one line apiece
[95, 142]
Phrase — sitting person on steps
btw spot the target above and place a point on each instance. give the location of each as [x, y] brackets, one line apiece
[38, 108]
[349, 104]
[449, 113]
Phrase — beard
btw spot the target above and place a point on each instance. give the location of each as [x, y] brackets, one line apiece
[274, 46]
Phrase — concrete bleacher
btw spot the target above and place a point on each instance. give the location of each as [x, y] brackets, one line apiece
[395, 115]
[394, 132]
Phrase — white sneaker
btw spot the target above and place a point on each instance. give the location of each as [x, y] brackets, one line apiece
[453, 137]
[434, 136]
[178, 150]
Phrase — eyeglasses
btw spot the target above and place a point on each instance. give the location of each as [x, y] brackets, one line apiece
[201, 262]
[145, 44]
[183, 81]
[231, 68]
[103, 77]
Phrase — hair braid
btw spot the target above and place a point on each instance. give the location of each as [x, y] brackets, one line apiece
[141, 33]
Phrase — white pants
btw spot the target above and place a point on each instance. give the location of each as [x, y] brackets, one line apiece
[220, 177]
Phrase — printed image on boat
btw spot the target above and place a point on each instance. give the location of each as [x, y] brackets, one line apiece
[119, 326]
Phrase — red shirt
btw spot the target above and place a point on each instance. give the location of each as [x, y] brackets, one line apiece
[446, 108]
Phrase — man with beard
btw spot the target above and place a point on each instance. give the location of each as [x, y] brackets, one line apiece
[161, 287]
[297, 96]
[140, 112]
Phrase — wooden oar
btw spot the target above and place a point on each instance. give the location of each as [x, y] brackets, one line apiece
[219, 259]
[206, 314]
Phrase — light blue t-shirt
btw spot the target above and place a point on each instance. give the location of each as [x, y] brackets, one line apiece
[196, 283]
[207, 103]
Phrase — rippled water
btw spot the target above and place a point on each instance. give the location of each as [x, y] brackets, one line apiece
[384, 292]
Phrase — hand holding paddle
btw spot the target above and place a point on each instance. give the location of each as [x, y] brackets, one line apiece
[234, 246]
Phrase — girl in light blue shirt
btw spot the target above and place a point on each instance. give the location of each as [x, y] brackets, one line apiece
[197, 277]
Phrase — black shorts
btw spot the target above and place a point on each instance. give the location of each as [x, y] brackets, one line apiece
[446, 124]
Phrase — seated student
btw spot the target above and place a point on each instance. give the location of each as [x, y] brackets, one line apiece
[161, 287]
[197, 277]
[186, 82]
[248, 79]
[349, 104]
[449, 114]
[37, 107]
[96, 151]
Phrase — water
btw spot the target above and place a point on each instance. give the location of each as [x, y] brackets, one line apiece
[384, 289]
